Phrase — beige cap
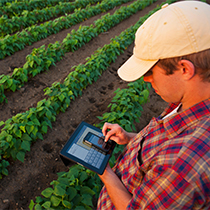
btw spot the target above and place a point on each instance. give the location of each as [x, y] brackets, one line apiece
[178, 29]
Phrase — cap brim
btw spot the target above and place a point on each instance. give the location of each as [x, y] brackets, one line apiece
[134, 68]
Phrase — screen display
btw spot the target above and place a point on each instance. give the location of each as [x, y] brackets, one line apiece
[98, 142]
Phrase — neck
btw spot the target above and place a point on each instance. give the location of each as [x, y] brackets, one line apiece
[199, 92]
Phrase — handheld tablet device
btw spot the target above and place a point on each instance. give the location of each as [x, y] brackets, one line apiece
[77, 150]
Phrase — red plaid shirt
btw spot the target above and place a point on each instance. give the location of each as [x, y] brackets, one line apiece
[172, 170]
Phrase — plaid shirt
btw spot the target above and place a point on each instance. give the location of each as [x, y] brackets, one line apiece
[171, 168]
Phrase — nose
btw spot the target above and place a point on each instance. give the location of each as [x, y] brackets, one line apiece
[148, 78]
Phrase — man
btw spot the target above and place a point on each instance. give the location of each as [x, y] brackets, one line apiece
[167, 164]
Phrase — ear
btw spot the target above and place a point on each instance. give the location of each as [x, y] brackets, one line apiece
[187, 69]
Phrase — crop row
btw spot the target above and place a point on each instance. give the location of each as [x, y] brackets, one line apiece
[16, 23]
[12, 8]
[20, 130]
[13, 43]
[41, 59]
[7, 2]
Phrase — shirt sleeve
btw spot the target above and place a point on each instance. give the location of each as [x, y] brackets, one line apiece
[167, 189]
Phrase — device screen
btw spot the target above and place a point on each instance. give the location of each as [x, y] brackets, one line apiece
[98, 142]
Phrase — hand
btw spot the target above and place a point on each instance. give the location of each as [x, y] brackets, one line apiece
[116, 133]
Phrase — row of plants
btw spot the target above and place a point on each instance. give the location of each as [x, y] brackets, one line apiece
[16, 23]
[126, 105]
[11, 8]
[76, 188]
[24, 128]
[13, 43]
[6, 2]
[42, 58]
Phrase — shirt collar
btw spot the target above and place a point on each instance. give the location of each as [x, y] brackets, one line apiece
[178, 122]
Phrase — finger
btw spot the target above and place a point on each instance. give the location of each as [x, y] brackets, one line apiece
[106, 127]
[110, 134]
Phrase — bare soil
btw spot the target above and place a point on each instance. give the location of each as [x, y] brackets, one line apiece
[27, 180]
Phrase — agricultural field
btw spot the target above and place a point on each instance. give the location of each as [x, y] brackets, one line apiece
[52, 78]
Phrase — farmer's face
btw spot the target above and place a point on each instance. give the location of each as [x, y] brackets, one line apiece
[169, 87]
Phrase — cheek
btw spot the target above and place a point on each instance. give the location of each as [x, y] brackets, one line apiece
[163, 86]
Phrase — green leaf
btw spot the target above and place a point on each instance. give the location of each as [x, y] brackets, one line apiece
[74, 171]
[49, 114]
[26, 145]
[55, 200]
[47, 192]
[39, 199]
[31, 63]
[87, 199]
[145, 93]
[29, 128]
[39, 135]
[64, 181]
[4, 171]
[67, 204]
[38, 207]
[87, 190]
[36, 121]
[26, 137]
[13, 87]
[59, 191]
[10, 82]
[20, 156]
[18, 133]
[31, 205]
[128, 128]
[5, 78]
[1, 123]
[61, 97]
[35, 130]
[47, 204]
[83, 176]
[76, 201]
[9, 138]
[44, 128]
[23, 128]
[72, 192]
